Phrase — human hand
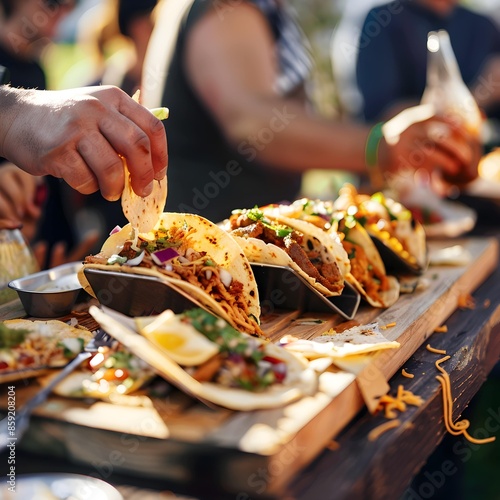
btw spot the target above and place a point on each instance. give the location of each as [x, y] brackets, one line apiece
[18, 203]
[417, 139]
[78, 135]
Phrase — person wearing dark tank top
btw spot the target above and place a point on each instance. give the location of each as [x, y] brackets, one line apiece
[214, 177]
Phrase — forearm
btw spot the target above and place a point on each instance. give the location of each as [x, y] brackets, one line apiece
[282, 134]
[10, 101]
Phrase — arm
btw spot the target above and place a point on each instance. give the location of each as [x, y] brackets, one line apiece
[76, 135]
[231, 65]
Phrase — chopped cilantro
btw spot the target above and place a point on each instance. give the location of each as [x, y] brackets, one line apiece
[220, 332]
[255, 214]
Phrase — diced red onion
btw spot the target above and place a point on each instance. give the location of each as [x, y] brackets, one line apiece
[115, 230]
[164, 255]
[136, 260]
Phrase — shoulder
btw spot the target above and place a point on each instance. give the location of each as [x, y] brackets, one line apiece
[223, 10]
[218, 19]
[385, 16]
[475, 20]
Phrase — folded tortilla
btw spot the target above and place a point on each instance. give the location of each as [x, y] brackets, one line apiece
[299, 380]
[366, 271]
[206, 263]
[388, 221]
[268, 237]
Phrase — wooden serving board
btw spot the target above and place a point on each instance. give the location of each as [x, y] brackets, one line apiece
[174, 438]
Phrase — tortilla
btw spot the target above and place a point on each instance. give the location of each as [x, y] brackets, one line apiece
[362, 339]
[321, 260]
[388, 221]
[367, 272]
[143, 212]
[368, 275]
[28, 347]
[117, 372]
[210, 267]
[298, 380]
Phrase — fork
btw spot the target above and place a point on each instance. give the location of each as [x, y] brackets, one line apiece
[9, 432]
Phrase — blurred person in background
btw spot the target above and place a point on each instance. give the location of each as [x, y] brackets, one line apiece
[118, 42]
[392, 54]
[27, 27]
[241, 128]
[65, 224]
[391, 72]
[135, 23]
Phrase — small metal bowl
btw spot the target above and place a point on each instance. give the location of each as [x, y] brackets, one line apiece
[51, 293]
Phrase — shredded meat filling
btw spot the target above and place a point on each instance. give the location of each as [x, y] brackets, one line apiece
[326, 273]
[368, 276]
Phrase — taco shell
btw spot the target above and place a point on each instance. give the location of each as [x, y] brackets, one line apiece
[300, 381]
[201, 236]
[390, 223]
[388, 293]
[320, 216]
[358, 340]
[329, 249]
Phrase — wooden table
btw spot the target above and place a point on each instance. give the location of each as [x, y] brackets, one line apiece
[353, 467]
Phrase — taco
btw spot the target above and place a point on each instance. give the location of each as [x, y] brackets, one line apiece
[367, 271]
[143, 212]
[356, 341]
[368, 274]
[192, 254]
[111, 373]
[29, 346]
[389, 223]
[268, 237]
[218, 364]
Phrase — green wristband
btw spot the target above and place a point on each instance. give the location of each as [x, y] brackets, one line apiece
[372, 144]
[371, 156]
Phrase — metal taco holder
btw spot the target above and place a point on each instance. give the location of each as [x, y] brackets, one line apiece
[394, 263]
[136, 295]
[281, 287]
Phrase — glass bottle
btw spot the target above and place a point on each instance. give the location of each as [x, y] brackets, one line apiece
[16, 259]
[445, 88]
[449, 95]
